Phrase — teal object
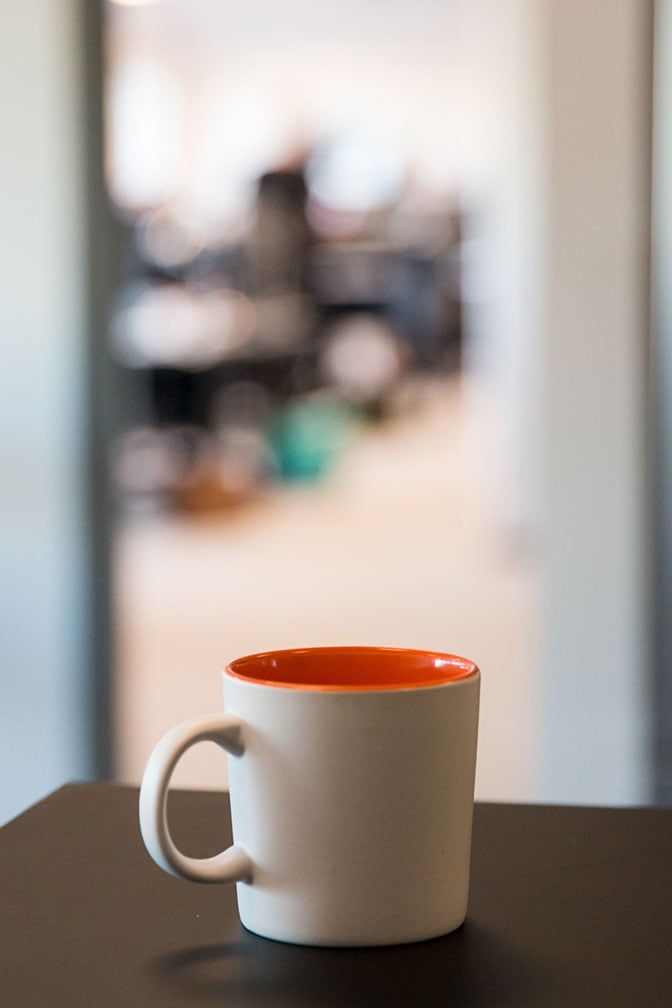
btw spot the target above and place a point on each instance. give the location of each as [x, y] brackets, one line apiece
[308, 437]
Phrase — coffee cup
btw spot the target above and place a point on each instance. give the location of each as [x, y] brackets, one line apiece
[351, 778]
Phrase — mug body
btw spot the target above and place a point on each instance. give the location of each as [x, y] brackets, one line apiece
[353, 795]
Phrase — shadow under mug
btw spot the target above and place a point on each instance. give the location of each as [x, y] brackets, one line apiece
[351, 776]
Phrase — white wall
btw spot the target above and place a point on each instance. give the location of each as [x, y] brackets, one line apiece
[594, 659]
[43, 690]
[557, 157]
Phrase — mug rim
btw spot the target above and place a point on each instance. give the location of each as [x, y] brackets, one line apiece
[370, 668]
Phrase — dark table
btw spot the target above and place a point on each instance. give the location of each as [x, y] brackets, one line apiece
[569, 906]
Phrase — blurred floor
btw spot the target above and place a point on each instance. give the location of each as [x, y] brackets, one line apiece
[398, 547]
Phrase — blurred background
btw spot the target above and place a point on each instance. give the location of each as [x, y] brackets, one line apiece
[337, 323]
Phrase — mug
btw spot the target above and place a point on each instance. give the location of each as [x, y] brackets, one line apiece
[351, 778]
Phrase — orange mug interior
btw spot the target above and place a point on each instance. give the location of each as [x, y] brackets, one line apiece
[351, 668]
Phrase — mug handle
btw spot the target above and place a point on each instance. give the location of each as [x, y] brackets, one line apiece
[232, 864]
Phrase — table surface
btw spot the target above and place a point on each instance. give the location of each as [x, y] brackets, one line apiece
[569, 906]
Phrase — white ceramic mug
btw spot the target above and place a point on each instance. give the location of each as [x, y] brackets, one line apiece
[351, 775]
